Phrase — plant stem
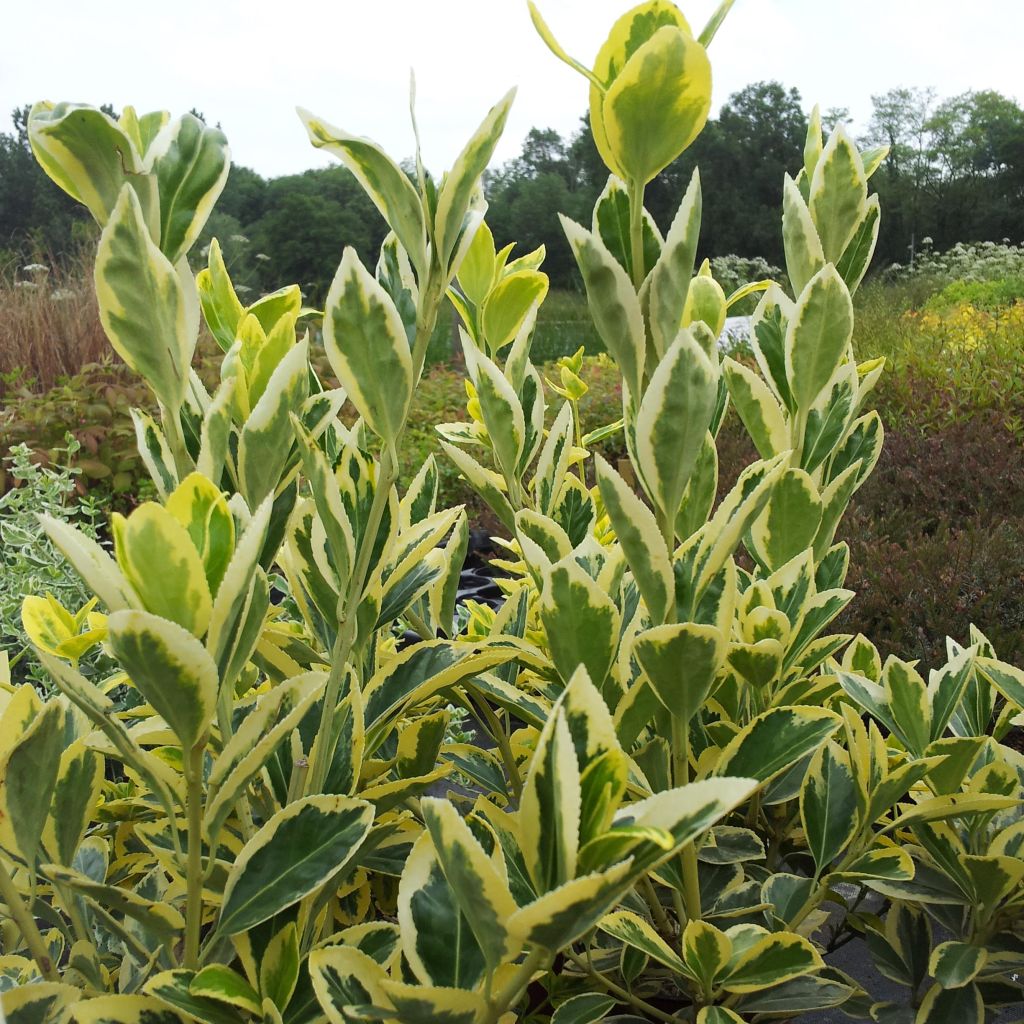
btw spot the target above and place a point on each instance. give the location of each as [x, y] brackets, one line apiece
[636, 231]
[688, 855]
[194, 877]
[323, 753]
[26, 925]
[661, 920]
[171, 420]
[574, 405]
[489, 719]
[516, 985]
[620, 993]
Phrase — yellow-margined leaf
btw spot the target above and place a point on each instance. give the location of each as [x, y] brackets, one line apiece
[560, 916]
[626, 36]
[485, 482]
[838, 194]
[279, 966]
[158, 558]
[706, 952]
[641, 540]
[829, 804]
[172, 988]
[39, 1001]
[274, 716]
[685, 813]
[456, 192]
[611, 222]
[580, 620]
[771, 961]
[818, 335]
[155, 453]
[758, 408]
[669, 281]
[673, 420]
[437, 938]
[124, 1009]
[170, 668]
[191, 163]
[789, 522]
[804, 254]
[634, 931]
[856, 258]
[681, 662]
[203, 510]
[613, 302]
[964, 1005]
[346, 978]
[236, 584]
[775, 740]
[266, 439]
[602, 763]
[368, 348]
[551, 807]
[28, 775]
[145, 311]
[432, 1004]
[297, 850]
[718, 1014]
[955, 964]
[88, 155]
[222, 309]
[499, 406]
[383, 180]
[657, 104]
[73, 806]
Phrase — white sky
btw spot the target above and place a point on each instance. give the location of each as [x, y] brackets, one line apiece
[248, 64]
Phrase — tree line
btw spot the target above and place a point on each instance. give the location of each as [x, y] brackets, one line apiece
[955, 173]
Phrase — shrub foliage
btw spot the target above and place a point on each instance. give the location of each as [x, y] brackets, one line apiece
[262, 814]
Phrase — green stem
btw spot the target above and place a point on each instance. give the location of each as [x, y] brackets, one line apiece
[661, 920]
[78, 925]
[495, 728]
[297, 785]
[688, 856]
[323, 753]
[418, 625]
[636, 231]
[194, 876]
[516, 985]
[171, 420]
[620, 993]
[26, 925]
[574, 405]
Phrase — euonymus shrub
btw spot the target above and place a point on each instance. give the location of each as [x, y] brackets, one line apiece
[679, 770]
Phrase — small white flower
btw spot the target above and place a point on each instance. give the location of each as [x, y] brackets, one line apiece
[36, 268]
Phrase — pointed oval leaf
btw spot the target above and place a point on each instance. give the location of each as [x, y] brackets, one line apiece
[295, 852]
[367, 346]
[170, 668]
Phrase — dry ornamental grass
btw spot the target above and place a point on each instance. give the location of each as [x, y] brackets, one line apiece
[49, 323]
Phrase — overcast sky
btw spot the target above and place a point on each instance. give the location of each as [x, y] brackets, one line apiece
[247, 65]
